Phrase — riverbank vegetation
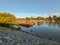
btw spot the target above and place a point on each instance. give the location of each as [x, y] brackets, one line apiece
[7, 19]
[32, 20]
[54, 18]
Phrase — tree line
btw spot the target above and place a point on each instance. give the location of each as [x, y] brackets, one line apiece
[10, 19]
[50, 18]
[54, 17]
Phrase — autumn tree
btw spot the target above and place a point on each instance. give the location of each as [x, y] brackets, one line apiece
[7, 18]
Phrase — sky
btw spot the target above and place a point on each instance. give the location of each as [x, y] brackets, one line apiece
[23, 8]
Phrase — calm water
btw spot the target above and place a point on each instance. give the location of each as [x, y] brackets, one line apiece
[45, 30]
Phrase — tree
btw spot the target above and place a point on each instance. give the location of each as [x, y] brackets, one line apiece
[7, 18]
[38, 18]
[27, 18]
[55, 17]
[50, 18]
[58, 18]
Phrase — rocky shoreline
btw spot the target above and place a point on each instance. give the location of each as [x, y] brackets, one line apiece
[14, 37]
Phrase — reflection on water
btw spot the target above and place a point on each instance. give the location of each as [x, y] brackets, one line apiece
[53, 24]
[39, 23]
[45, 30]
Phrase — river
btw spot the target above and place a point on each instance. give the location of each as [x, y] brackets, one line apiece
[45, 30]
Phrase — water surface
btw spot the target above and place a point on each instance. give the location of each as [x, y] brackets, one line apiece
[45, 30]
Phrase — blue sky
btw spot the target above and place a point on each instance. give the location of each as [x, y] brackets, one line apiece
[22, 8]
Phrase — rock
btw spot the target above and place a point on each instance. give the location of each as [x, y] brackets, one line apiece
[6, 37]
[22, 38]
[1, 41]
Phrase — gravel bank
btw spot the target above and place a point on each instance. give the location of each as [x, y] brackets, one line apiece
[14, 37]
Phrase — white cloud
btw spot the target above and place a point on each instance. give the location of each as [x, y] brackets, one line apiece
[22, 15]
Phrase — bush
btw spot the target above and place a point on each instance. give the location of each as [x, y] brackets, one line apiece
[19, 28]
